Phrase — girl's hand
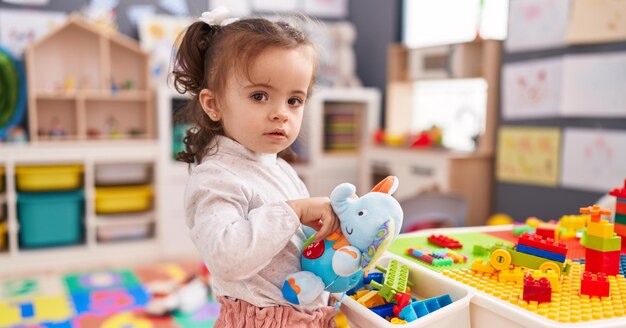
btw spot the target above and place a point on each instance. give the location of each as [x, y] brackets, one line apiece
[317, 213]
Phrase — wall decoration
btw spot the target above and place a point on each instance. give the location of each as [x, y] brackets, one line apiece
[537, 24]
[596, 21]
[528, 155]
[593, 159]
[532, 89]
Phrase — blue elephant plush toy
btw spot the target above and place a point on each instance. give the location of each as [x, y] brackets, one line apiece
[336, 264]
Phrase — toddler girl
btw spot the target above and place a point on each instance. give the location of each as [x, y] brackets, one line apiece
[245, 206]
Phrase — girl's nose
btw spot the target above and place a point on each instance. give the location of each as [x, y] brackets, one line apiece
[280, 114]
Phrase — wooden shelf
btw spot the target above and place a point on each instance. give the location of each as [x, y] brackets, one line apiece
[83, 68]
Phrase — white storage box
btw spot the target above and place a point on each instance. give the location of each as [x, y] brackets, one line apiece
[123, 227]
[122, 174]
[427, 284]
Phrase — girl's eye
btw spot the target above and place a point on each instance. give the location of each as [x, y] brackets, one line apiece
[259, 96]
[295, 101]
[362, 212]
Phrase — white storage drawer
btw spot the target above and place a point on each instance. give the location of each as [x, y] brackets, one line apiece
[122, 173]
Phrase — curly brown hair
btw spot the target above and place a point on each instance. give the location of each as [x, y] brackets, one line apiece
[205, 58]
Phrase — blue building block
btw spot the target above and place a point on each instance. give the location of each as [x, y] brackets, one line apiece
[541, 253]
[622, 265]
[418, 309]
[384, 311]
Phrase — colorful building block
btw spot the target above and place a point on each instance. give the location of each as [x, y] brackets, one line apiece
[540, 253]
[371, 299]
[602, 229]
[620, 206]
[613, 243]
[595, 212]
[552, 277]
[444, 242]
[418, 309]
[484, 267]
[396, 280]
[547, 230]
[594, 284]
[540, 242]
[607, 262]
[511, 275]
[620, 218]
[620, 229]
[537, 290]
[384, 311]
[402, 300]
[619, 192]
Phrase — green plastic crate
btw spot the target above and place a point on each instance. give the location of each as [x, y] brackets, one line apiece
[50, 218]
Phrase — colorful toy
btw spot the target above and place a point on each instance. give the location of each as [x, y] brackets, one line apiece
[368, 226]
[602, 246]
[537, 290]
[620, 211]
[444, 242]
[396, 280]
[594, 285]
[544, 254]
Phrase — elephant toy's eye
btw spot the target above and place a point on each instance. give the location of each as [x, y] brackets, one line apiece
[362, 212]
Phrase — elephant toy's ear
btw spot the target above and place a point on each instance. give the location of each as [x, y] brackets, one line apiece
[384, 237]
[388, 185]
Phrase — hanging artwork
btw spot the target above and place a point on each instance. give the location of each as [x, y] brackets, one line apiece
[597, 21]
[537, 24]
[593, 159]
[19, 28]
[532, 89]
[528, 155]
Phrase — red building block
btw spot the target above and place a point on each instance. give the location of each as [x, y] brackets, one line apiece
[537, 290]
[444, 241]
[606, 262]
[546, 230]
[402, 300]
[594, 285]
[619, 193]
[547, 244]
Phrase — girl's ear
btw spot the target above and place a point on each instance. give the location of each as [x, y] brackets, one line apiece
[208, 103]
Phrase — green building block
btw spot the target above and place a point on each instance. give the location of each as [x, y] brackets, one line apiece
[620, 218]
[601, 244]
[519, 230]
[396, 280]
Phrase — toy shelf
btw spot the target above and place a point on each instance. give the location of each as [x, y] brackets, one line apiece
[130, 215]
[86, 84]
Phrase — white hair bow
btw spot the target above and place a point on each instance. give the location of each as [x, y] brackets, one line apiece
[218, 17]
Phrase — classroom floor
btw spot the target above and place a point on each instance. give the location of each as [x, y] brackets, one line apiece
[106, 298]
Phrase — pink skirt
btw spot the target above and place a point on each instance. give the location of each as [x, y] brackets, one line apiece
[238, 313]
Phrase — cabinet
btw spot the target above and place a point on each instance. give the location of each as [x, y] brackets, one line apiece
[88, 227]
[335, 131]
[469, 175]
[85, 84]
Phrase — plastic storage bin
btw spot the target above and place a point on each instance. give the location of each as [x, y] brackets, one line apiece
[51, 218]
[48, 178]
[124, 231]
[110, 200]
[426, 284]
[122, 174]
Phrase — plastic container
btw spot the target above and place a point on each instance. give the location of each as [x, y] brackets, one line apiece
[111, 200]
[48, 178]
[124, 231]
[122, 174]
[51, 218]
[427, 284]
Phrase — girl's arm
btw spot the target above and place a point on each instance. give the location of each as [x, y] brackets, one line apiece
[235, 242]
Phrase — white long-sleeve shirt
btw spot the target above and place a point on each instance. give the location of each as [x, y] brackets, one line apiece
[247, 235]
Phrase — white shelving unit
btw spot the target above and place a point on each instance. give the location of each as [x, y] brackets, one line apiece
[91, 251]
[337, 125]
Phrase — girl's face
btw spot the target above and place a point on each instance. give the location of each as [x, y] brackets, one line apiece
[264, 113]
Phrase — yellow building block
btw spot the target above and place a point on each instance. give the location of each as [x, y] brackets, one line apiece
[398, 321]
[359, 294]
[52, 308]
[511, 275]
[602, 229]
[479, 266]
[371, 299]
